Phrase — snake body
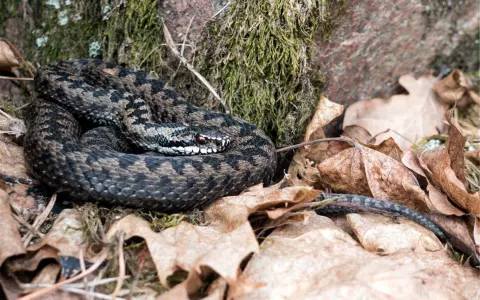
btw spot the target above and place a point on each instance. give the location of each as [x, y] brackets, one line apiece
[77, 95]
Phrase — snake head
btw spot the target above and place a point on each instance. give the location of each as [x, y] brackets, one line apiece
[200, 140]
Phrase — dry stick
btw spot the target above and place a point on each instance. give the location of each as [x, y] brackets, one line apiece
[169, 40]
[139, 270]
[121, 266]
[350, 141]
[21, 57]
[5, 115]
[40, 219]
[182, 50]
[58, 285]
[27, 225]
[83, 268]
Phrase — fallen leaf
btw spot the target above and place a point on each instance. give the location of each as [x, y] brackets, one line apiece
[454, 89]
[344, 173]
[476, 235]
[387, 147]
[405, 117]
[473, 155]
[8, 62]
[316, 260]
[230, 212]
[438, 199]
[10, 236]
[446, 168]
[364, 171]
[191, 248]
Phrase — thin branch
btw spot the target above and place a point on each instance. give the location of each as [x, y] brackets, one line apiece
[139, 271]
[121, 266]
[6, 115]
[59, 285]
[350, 141]
[27, 225]
[40, 219]
[73, 285]
[17, 78]
[169, 40]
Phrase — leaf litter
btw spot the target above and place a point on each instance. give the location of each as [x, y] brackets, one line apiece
[263, 243]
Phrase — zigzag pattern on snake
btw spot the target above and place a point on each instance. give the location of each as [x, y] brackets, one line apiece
[76, 95]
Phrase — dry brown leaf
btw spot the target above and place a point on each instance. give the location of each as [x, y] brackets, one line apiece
[10, 237]
[316, 260]
[388, 179]
[364, 171]
[192, 248]
[381, 234]
[12, 161]
[455, 89]
[476, 235]
[445, 166]
[302, 170]
[407, 117]
[230, 212]
[344, 173]
[8, 62]
[438, 199]
[387, 147]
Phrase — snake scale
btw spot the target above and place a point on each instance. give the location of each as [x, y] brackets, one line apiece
[84, 91]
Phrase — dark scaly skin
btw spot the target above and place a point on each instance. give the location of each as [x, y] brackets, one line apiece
[56, 157]
[345, 203]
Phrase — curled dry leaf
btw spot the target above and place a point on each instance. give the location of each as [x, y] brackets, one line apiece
[316, 260]
[406, 117]
[192, 248]
[438, 199]
[230, 212]
[8, 62]
[455, 89]
[10, 238]
[364, 171]
[473, 155]
[446, 168]
[302, 170]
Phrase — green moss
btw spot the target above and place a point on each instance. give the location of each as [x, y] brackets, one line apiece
[83, 25]
[133, 35]
[258, 55]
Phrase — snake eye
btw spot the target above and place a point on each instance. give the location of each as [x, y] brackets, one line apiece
[201, 139]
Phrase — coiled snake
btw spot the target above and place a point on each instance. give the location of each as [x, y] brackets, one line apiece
[207, 155]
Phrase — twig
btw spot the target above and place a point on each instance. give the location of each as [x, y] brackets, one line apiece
[121, 266]
[59, 285]
[40, 219]
[182, 49]
[27, 225]
[83, 268]
[6, 115]
[21, 57]
[139, 271]
[350, 141]
[73, 285]
[17, 78]
[169, 40]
